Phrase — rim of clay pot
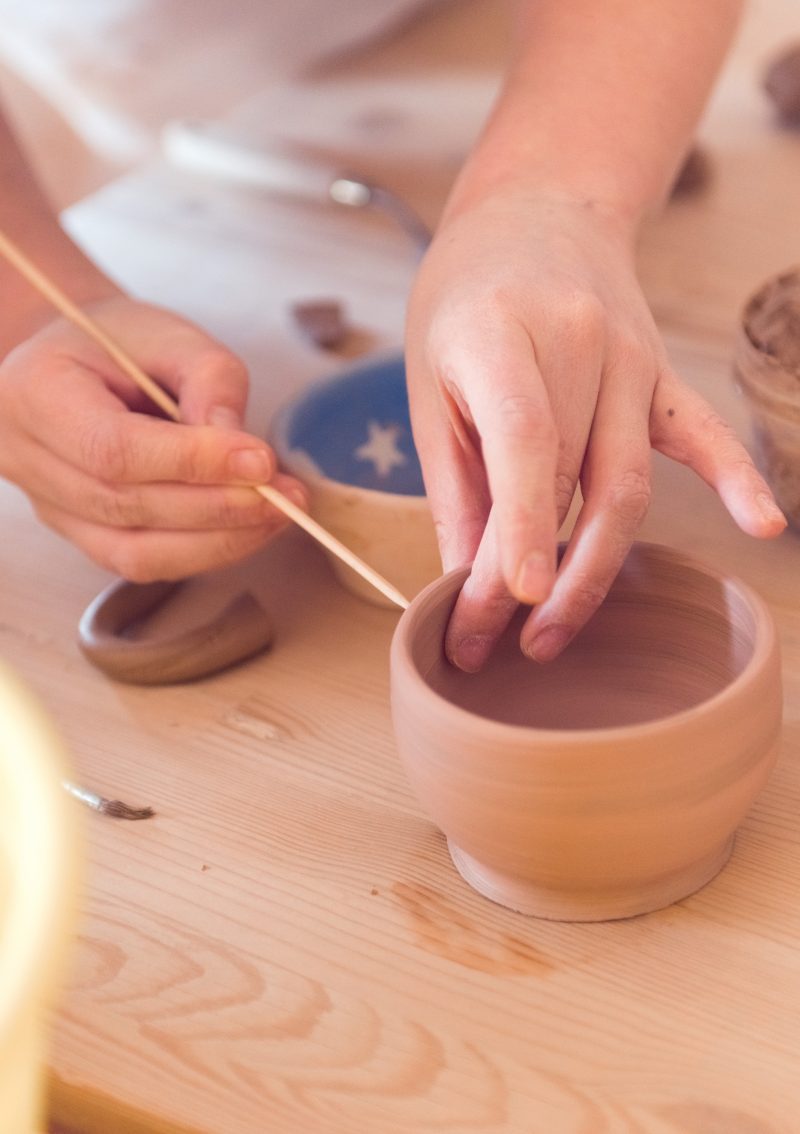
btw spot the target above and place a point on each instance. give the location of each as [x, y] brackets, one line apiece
[305, 470]
[764, 640]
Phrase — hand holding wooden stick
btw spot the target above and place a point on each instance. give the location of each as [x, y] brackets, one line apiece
[54, 295]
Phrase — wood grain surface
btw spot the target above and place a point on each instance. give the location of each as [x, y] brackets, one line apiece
[286, 947]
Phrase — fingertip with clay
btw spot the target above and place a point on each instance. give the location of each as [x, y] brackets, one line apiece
[547, 643]
[469, 653]
[771, 519]
[481, 614]
[757, 514]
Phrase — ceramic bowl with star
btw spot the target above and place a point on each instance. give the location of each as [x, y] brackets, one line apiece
[348, 437]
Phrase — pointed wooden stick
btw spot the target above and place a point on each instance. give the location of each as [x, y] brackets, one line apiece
[53, 294]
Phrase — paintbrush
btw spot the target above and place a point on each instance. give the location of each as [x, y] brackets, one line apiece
[113, 807]
[54, 295]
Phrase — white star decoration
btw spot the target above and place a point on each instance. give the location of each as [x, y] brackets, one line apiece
[381, 448]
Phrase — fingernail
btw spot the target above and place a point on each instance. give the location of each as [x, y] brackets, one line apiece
[253, 466]
[223, 417]
[534, 578]
[769, 509]
[548, 643]
[471, 653]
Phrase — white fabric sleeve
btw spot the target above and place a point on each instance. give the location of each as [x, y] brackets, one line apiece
[118, 69]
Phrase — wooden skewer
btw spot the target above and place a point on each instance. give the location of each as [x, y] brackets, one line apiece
[71, 311]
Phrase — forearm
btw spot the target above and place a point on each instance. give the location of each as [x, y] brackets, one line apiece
[28, 219]
[601, 100]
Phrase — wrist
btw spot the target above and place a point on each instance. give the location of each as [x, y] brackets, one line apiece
[521, 194]
[621, 183]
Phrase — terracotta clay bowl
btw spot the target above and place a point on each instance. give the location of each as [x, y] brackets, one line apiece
[349, 439]
[611, 781]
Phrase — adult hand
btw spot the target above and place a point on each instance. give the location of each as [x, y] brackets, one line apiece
[535, 366]
[144, 497]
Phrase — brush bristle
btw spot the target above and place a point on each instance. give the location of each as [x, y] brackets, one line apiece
[119, 810]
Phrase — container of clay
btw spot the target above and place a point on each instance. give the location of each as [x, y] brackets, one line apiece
[349, 439]
[611, 781]
[767, 372]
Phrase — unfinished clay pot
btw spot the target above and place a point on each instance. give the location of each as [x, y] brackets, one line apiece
[610, 781]
[767, 371]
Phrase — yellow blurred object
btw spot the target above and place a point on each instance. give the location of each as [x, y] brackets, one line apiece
[38, 885]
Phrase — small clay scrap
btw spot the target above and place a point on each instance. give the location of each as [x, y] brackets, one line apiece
[772, 320]
[321, 322]
[782, 84]
[694, 175]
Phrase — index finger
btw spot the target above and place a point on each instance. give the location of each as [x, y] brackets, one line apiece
[500, 378]
[94, 431]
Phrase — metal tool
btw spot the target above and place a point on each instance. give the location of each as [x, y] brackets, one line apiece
[286, 170]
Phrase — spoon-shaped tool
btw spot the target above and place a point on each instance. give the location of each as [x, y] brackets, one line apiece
[284, 170]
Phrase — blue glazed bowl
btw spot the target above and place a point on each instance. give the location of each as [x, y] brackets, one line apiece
[355, 429]
[348, 437]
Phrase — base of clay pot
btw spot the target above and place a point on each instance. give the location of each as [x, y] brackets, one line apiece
[590, 905]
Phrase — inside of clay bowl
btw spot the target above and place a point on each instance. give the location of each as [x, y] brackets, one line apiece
[354, 428]
[663, 641]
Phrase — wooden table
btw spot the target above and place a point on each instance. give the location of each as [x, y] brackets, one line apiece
[286, 947]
